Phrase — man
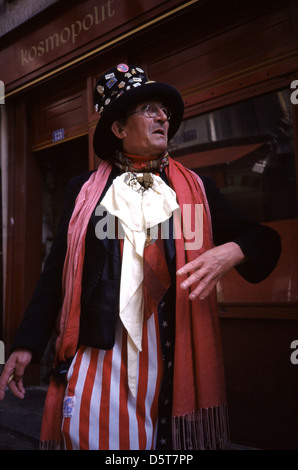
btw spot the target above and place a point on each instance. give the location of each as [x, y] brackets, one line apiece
[138, 328]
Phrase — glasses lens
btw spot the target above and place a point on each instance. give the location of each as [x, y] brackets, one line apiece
[167, 112]
[153, 110]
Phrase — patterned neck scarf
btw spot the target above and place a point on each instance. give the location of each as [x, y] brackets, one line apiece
[135, 164]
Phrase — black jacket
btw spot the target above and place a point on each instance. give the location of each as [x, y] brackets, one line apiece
[102, 266]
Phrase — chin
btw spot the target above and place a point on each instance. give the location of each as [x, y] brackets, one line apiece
[159, 149]
[158, 152]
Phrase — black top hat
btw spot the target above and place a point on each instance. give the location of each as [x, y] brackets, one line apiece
[120, 88]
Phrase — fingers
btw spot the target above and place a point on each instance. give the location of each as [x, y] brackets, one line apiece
[204, 283]
[203, 289]
[19, 370]
[17, 388]
[4, 379]
[13, 373]
[199, 276]
[206, 270]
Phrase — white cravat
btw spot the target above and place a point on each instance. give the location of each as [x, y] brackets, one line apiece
[138, 210]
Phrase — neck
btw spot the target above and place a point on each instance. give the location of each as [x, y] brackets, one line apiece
[140, 164]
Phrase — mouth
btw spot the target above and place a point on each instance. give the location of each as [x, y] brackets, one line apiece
[160, 131]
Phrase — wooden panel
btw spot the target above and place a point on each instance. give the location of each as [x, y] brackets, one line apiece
[58, 110]
[280, 286]
[261, 382]
[24, 227]
[224, 56]
[15, 233]
[261, 311]
[66, 111]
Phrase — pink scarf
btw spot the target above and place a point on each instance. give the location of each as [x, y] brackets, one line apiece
[199, 419]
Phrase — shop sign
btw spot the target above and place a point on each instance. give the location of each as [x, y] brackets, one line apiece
[81, 31]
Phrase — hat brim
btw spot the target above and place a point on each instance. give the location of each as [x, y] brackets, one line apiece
[105, 142]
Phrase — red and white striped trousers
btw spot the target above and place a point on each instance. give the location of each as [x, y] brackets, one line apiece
[100, 413]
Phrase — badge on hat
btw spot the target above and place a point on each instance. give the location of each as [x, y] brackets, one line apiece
[122, 68]
[111, 82]
[100, 89]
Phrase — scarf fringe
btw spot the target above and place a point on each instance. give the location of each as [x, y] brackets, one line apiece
[51, 445]
[204, 429]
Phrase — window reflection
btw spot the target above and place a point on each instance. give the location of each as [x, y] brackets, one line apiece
[248, 148]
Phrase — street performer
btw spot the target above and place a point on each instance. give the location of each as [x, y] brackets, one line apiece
[138, 360]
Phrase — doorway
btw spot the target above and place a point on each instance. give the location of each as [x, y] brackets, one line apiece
[57, 165]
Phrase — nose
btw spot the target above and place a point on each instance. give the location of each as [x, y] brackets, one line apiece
[161, 116]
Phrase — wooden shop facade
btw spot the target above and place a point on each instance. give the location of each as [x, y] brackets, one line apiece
[237, 71]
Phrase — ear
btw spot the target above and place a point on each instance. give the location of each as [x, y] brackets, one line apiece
[118, 130]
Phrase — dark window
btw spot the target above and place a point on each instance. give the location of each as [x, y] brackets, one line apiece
[248, 148]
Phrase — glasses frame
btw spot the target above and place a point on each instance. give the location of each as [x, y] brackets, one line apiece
[153, 114]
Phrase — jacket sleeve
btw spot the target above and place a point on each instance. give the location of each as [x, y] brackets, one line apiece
[260, 244]
[41, 314]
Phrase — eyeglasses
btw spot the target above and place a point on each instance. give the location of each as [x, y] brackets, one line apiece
[152, 111]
